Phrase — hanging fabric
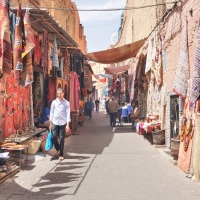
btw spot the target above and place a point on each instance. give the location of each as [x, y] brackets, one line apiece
[5, 43]
[37, 52]
[27, 73]
[157, 63]
[13, 20]
[54, 54]
[151, 53]
[45, 45]
[18, 46]
[182, 72]
[73, 85]
[29, 36]
[195, 92]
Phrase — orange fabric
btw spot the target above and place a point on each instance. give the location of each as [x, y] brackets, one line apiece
[119, 70]
[116, 55]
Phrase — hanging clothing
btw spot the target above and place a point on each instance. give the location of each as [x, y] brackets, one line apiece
[18, 46]
[30, 42]
[5, 43]
[73, 85]
[54, 54]
[195, 92]
[45, 45]
[66, 64]
[13, 20]
[182, 72]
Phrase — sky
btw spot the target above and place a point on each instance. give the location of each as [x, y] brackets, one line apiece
[99, 25]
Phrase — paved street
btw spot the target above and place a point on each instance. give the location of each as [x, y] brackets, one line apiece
[102, 164]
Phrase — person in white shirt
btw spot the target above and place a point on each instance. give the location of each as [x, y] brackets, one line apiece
[59, 121]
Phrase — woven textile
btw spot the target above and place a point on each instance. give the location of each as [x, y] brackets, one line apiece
[30, 42]
[37, 94]
[54, 54]
[45, 45]
[151, 54]
[5, 44]
[73, 85]
[18, 46]
[195, 92]
[27, 72]
[182, 72]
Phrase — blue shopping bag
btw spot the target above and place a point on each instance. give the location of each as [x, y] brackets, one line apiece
[49, 142]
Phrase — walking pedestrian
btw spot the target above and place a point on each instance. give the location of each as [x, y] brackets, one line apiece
[90, 107]
[59, 122]
[97, 102]
[107, 110]
[113, 108]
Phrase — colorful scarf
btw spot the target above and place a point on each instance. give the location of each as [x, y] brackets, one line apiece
[54, 54]
[182, 72]
[18, 46]
[195, 92]
[5, 44]
[30, 43]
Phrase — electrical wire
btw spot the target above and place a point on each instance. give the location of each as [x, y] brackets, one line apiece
[108, 9]
[96, 25]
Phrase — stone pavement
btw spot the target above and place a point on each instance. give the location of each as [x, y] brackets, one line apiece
[102, 163]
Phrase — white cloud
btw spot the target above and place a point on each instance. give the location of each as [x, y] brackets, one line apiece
[91, 16]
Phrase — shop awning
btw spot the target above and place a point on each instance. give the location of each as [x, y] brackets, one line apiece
[116, 55]
[119, 70]
[41, 19]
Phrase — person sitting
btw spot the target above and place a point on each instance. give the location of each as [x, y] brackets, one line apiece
[45, 117]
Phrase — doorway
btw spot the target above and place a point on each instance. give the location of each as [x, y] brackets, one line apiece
[174, 116]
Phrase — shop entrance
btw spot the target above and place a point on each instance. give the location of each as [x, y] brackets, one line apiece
[174, 116]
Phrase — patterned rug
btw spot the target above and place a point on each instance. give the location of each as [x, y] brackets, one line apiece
[195, 92]
[182, 72]
[18, 46]
[5, 43]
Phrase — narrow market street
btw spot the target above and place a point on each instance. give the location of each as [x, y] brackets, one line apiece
[102, 163]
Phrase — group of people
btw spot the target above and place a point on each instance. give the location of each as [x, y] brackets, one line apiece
[56, 117]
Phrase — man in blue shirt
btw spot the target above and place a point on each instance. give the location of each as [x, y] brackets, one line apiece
[90, 108]
[59, 121]
[45, 117]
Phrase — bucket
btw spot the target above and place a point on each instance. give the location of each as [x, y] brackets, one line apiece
[33, 146]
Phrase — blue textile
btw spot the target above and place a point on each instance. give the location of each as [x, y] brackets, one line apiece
[60, 112]
[45, 113]
[13, 19]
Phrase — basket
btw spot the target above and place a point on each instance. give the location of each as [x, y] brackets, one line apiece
[158, 137]
[33, 146]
